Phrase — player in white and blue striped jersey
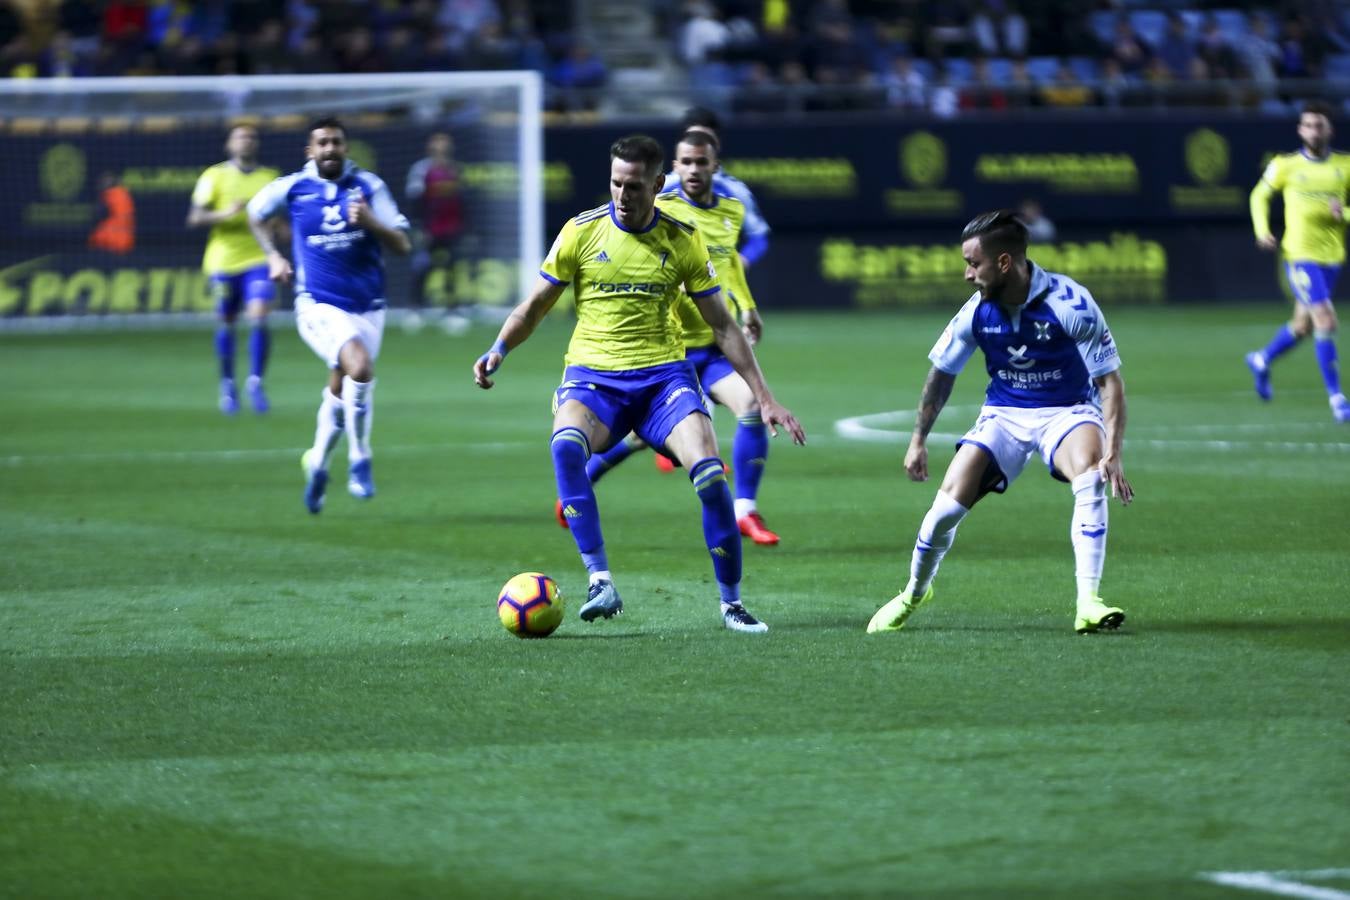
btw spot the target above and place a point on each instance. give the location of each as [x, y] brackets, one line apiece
[342, 220]
[754, 242]
[1054, 390]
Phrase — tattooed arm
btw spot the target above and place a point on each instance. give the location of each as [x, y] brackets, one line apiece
[936, 389]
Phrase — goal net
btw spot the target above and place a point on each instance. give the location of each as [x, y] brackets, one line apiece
[99, 173]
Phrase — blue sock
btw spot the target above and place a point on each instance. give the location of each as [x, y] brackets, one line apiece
[600, 463]
[570, 451]
[749, 452]
[1325, 345]
[719, 526]
[1283, 341]
[258, 344]
[225, 350]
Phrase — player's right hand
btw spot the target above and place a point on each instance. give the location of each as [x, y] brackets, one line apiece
[1268, 242]
[484, 366]
[916, 462]
[279, 268]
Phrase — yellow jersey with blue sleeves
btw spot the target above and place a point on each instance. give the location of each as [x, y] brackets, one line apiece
[1308, 185]
[231, 248]
[626, 284]
[719, 224]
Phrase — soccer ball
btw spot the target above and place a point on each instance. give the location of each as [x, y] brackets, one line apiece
[530, 605]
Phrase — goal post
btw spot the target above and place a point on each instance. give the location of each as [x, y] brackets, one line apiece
[70, 141]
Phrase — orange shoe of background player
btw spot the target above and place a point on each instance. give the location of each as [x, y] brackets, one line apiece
[752, 526]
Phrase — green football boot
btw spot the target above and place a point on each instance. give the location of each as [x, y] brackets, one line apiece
[893, 615]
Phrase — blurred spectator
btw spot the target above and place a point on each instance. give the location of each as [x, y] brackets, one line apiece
[62, 60]
[1021, 86]
[1116, 87]
[462, 19]
[579, 75]
[1039, 227]
[1257, 52]
[1128, 48]
[1214, 48]
[1301, 53]
[943, 100]
[982, 92]
[311, 57]
[998, 29]
[125, 21]
[356, 52]
[703, 34]
[904, 85]
[267, 50]
[82, 20]
[11, 27]
[758, 92]
[1065, 90]
[1176, 48]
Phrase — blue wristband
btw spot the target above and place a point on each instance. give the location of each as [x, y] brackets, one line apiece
[500, 349]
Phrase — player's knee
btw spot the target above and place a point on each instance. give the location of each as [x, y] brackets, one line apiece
[1300, 327]
[570, 447]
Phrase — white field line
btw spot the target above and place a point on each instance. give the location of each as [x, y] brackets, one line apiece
[893, 428]
[1283, 884]
[223, 455]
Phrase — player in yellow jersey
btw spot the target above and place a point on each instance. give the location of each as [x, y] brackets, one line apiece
[628, 263]
[234, 263]
[1315, 184]
[719, 218]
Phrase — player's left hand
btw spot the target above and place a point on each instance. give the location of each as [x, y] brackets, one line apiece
[752, 325]
[484, 366]
[358, 211]
[1114, 474]
[774, 414]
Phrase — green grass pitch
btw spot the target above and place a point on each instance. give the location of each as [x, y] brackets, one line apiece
[206, 692]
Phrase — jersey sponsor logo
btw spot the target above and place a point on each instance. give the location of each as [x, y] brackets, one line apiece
[1042, 331]
[629, 287]
[1030, 379]
[338, 241]
[1105, 353]
[332, 218]
[1017, 358]
[991, 329]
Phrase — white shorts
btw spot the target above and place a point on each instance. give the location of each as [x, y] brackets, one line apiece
[1011, 435]
[326, 328]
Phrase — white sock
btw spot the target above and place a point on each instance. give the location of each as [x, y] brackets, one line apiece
[328, 427]
[1088, 532]
[602, 575]
[358, 404]
[744, 507]
[936, 534]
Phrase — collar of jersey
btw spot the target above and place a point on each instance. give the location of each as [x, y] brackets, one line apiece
[690, 200]
[1038, 284]
[312, 169]
[1303, 152]
[656, 217]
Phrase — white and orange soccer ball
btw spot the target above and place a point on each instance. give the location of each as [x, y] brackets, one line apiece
[530, 605]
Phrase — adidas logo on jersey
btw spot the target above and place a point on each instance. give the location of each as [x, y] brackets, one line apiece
[602, 257]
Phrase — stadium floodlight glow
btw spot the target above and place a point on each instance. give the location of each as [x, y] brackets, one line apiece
[66, 138]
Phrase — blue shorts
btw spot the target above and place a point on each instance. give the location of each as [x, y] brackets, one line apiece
[710, 363]
[650, 401]
[233, 291]
[1312, 283]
